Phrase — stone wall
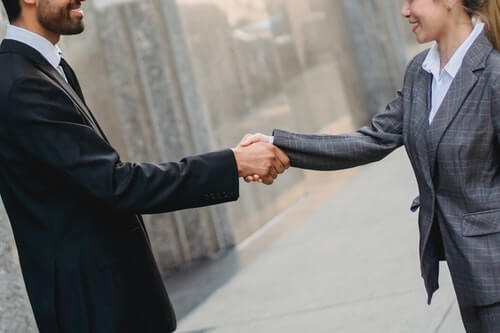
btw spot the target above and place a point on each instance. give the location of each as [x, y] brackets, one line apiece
[15, 311]
[171, 78]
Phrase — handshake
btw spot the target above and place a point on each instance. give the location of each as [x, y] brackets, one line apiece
[258, 160]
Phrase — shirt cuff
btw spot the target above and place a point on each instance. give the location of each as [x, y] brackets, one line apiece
[271, 139]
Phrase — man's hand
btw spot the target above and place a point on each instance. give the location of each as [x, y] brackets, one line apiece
[262, 160]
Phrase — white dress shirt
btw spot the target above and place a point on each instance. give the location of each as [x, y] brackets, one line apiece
[441, 80]
[52, 53]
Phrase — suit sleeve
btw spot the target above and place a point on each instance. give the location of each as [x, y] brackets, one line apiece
[334, 152]
[45, 125]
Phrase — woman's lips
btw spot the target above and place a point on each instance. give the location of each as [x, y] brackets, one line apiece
[415, 28]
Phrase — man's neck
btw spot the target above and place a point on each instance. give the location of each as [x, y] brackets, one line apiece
[35, 27]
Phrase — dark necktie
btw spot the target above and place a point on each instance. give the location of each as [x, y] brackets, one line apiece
[71, 77]
[73, 82]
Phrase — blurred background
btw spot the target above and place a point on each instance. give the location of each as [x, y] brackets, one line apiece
[171, 78]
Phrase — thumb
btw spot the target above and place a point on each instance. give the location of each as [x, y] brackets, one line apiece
[254, 139]
[246, 140]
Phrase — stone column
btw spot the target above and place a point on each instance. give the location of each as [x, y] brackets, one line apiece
[156, 97]
[379, 48]
[197, 119]
[15, 311]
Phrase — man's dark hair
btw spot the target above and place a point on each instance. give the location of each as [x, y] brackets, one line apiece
[13, 9]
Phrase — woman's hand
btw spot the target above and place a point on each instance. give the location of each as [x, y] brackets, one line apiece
[254, 138]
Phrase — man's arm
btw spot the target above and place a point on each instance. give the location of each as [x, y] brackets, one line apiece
[44, 125]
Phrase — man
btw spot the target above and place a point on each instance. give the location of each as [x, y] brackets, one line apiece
[73, 204]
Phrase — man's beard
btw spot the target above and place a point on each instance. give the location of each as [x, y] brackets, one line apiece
[58, 20]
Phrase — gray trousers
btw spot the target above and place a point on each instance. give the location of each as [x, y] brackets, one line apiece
[481, 319]
[476, 319]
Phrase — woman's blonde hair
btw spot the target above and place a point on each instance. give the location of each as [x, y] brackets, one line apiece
[489, 12]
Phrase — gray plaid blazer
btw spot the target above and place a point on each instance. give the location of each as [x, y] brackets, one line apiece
[456, 161]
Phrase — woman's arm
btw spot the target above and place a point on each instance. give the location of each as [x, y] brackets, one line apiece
[334, 152]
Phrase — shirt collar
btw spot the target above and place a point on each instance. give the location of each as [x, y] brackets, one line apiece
[49, 51]
[432, 62]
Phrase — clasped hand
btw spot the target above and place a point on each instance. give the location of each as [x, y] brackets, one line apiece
[258, 160]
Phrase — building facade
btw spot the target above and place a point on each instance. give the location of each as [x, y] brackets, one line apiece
[171, 78]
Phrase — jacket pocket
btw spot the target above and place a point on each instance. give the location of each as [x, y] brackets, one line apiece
[481, 223]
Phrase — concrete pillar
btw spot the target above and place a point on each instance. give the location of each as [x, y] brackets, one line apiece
[197, 120]
[379, 49]
[131, 102]
[156, 97]
[15, 311]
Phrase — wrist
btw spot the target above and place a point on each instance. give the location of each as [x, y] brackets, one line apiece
[236, 152]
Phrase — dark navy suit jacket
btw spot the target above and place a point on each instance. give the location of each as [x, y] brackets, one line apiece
[74, 205]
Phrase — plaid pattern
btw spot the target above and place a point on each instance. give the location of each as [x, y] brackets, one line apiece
[482, 319]
[456, 161]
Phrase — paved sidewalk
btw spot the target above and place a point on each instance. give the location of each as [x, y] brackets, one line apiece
[350, 266]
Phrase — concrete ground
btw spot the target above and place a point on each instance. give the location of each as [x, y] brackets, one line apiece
[348, 265]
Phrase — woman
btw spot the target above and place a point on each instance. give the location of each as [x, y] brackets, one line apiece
[448, 118]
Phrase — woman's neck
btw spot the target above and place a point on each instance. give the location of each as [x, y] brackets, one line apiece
[452, 39]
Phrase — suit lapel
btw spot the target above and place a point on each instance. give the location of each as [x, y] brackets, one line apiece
[54, 77]
[463, 83]
[421, 102]
[419, 120]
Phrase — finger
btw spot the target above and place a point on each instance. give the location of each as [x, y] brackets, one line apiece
[277, 164]
[254, 139]
[253, 178]
[245, 140]
[256, 178]
[268, 180]
[285, 160]
[273, 173]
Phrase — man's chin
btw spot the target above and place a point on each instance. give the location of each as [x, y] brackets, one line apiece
[74, 30]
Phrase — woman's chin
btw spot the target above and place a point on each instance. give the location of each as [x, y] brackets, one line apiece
[421, 39]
